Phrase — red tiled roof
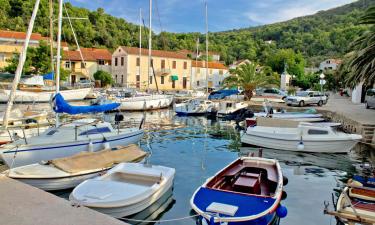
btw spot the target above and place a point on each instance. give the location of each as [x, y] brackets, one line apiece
[19, 35]
[156, 53]
[336, 61]
[213, 65]
[89, 54]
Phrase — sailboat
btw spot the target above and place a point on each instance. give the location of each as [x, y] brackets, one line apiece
[145, 102]
[198, 106]
[64, 139]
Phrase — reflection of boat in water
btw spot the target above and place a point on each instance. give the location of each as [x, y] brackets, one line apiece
[153, 212]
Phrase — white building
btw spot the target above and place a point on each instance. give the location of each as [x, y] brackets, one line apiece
[329, 64]
[217, 72]
[285, 80]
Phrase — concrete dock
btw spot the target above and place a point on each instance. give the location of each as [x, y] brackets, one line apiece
[22, 204]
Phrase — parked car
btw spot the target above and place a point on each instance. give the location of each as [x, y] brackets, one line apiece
[370, 98]
[303, 98]
[272, 92]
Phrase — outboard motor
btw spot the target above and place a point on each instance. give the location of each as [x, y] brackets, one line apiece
[118, 118]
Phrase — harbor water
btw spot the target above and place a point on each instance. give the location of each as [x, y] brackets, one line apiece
[198, 147]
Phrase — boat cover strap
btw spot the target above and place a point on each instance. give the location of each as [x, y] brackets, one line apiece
[97, 160]
[61, 106]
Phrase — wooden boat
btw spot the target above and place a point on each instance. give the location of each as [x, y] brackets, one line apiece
[356, 203]
[66, 173]
[305, 137]
[125, 190]
[247, 191]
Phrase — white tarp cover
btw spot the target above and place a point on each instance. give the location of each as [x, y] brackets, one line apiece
[35, 80]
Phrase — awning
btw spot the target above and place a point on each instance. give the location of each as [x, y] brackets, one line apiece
[174, 77]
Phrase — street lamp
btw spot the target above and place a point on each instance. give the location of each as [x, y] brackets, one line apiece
[322, 82]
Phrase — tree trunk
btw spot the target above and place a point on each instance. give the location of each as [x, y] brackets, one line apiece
[248, 94]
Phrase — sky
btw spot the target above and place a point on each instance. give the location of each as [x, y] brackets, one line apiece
[189, 15]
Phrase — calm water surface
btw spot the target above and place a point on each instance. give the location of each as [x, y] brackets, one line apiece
[197, 148]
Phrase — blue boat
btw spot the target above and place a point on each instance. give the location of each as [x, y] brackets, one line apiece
[248, 191]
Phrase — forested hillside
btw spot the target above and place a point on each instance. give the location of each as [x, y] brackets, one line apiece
[325, 34]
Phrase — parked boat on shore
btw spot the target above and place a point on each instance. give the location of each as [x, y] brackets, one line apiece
[144, 185]
[65, 173]
[247, 191]
[305, 137]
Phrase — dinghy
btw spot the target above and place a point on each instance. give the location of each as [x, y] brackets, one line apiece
[356, 203]
[124, 190]
[305, 137]
[248, 191]
[65, 173]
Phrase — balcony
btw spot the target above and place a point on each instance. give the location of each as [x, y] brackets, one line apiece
[162, 72]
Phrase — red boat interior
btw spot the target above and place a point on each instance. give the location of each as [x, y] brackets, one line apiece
[248, 177]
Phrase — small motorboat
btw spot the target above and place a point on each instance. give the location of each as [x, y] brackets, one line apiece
[247, 191]
[226, 108]
[356, 203]
[194, 107]
[66, 173]
[124, 190]
[305, 137]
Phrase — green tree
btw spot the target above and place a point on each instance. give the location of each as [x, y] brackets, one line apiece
[362, 61]
[104, 77]
[247, 78]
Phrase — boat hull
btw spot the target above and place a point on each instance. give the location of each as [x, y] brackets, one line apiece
[25, 155]
[145, 103]
[54, 184]
[27, 96]
[323, 146]
[129, 210]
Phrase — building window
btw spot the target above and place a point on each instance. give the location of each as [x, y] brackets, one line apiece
[2, 58]
[115, 61]
[198, 83]
[67, 65]
[173, 84]
[184, 82]
[122, 79]
[83, 65]
[122, 61]
[150, 79]
[162, 80]
[162, 64]
[221, 72]
[138, 83]
[138, 61]
[152, 62]
[101, 62]
[185, 65]
[116, 79]
[174, 65]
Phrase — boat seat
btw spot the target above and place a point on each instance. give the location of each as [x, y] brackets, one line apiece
[248, 184]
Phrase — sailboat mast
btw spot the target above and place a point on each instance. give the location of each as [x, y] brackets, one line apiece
[51, 32]
[149, 45]
[21, 62]
[140, 42]
[206, 49]
[58, 54]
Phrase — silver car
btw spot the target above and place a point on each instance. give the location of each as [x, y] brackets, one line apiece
[303, 98]
[370, 98]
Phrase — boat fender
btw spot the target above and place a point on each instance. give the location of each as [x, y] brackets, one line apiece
[285, 180]
[301, 146]
[107, 145]
[91, 147]
[284, 195]
[281, 211]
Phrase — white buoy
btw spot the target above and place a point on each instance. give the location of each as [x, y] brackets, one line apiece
[300, 146]
[107, 145]
[91, 147]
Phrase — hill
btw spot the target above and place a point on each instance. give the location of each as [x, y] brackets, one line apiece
[322, 35]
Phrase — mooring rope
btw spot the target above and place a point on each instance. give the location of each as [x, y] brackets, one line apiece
[161, 221]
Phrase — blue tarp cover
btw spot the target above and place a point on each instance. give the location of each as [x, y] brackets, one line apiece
[248, 205]
[49, 76]
[61, 106]
[222, 94]
[366, 181]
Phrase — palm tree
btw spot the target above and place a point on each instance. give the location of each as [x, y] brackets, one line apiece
[248, 78]
[362, 60]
